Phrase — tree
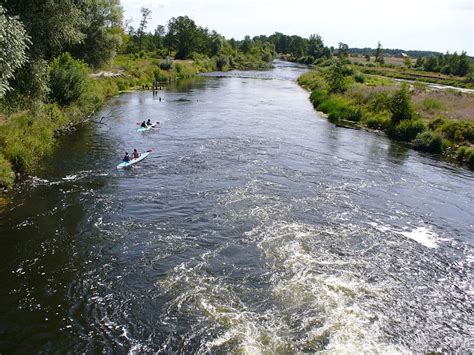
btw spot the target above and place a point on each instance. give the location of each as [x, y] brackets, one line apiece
[407, 62]
[335, 77]
[69, 79]
[379, 54]
[400, 105]
[181, 36]
[315, 46]
[146, 15]
[343, 51]
[14, 44]
[102, 30]
[52, 25]
[463, 67]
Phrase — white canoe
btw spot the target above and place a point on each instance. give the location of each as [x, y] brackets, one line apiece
[133, 161]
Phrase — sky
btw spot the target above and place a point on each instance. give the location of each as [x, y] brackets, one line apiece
[438, 25]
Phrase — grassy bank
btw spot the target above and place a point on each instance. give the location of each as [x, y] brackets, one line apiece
[439, 122]
[135, 71]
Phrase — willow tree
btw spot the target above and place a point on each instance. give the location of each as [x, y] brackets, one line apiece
[13, 43]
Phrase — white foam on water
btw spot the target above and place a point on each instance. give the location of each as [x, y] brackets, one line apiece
[422, 235]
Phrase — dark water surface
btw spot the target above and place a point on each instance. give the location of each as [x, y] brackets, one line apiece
[255, 226]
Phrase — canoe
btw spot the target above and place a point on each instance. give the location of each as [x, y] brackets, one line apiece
[147, 128]
[124, 164]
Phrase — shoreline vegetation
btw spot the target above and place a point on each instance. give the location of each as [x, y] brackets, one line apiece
[430, 120]
[58, 68]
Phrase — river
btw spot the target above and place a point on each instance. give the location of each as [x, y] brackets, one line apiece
[254, 226]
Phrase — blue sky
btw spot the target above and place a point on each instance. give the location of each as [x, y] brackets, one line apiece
[439, 25]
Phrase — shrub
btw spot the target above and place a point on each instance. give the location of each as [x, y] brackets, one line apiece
[406, 130]
[400, 105]
[317, 97]
[166, 65]
[7, 176]
[436, 123]
[432, 104]
[466, 154]
[378, 121]
[339, 108]
[458, 130]
[429, 141]
[68, 80]
[379, 102]
[359, 78]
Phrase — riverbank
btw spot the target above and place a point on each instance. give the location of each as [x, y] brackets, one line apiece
[434, 121]
[28, 135]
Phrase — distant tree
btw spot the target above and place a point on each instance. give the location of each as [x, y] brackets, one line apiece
[181, 36]
[430, 63]
[102, 30]
[343, 51]
[400, 105]
[407, 62]
[379, 54]
[297, 46]
[246, 44]
[464, 65]
[158, 36]
[367, 57]
[335, 77]
[315, 46]
[419, 62]
[146, 15]
[14, 44]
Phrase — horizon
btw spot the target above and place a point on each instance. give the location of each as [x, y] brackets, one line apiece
[446, 25]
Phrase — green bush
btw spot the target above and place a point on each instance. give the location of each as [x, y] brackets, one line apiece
[69, 79]
[458, 130]
[432, 104]
[400, 105]
[436, 123]
[429, 141]
[166, 65]
[379, 102]
[317, 97]
[7, 176]
[338, 108]
[378, 121]
[359, 78]
[406, 130]
[466, 154]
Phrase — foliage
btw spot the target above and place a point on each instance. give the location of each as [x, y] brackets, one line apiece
[378, 120]
[13, 44]
[379, 54]
[429, 141]
[406, 130]
[400, 105]
[457, 130]
[466, 154]
[182, 36]
[102, 32]
[430, 103]
[7, 176]
[69, 79]
[339, 108]
[52, 25]
[335, 78]
[317, 97]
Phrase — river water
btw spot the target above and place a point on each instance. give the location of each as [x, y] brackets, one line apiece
[255, 226]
